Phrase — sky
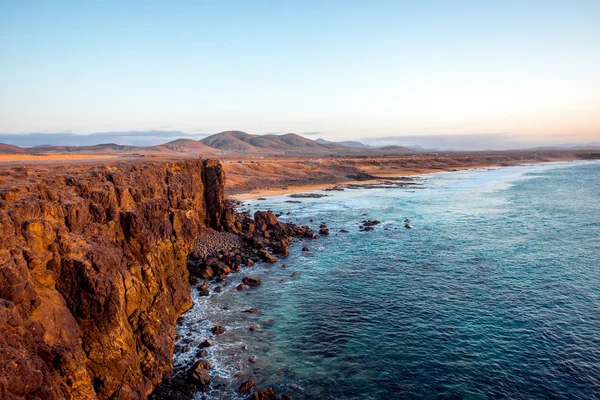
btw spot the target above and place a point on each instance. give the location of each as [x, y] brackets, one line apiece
[526, 71]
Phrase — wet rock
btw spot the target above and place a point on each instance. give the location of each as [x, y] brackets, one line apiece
[305, 248]
[252, 310]
[370, 222]
[202, 364]
[366, 228]
[240, 287]
[204, 292]
[343, 231]
[322, 226]
[295, 275]
[249, 262]
[252, 359]
[218, 330]
[200, 378]
[202, 353]
[199, 375]
[253, 328]
[251, 281]
[323, 231]
[285, 397]
[205, 344]
[284, 266]
[218, 289]
[267, 257]
[246, 387]
[265, 394]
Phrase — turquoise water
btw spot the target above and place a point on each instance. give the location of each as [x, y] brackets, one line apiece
[494, 294]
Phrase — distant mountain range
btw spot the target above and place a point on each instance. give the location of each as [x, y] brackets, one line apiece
[229, 143]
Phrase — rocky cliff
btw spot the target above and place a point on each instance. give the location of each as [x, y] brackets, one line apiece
[93, 276]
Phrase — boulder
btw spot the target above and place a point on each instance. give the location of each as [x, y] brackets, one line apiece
[218, 330]
[266, 256]
[251, 281]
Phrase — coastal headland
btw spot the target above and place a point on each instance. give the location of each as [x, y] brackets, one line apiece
[98, 258]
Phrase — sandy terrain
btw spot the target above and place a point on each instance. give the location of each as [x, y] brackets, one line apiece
[252, 177]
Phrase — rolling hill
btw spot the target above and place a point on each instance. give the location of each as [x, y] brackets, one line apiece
[228, 143]
[10, 149]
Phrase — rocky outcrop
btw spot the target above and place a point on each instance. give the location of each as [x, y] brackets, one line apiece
[93, 276]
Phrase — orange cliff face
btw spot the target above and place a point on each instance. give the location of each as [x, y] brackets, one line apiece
[93, 273]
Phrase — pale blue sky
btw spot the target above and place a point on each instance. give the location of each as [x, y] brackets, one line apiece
[347, 69]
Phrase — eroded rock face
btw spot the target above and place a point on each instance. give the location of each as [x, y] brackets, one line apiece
[93, 273]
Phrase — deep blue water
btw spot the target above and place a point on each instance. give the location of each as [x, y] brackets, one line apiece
[495, 293]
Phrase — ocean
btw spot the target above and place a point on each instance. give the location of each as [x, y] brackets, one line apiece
[494, 293]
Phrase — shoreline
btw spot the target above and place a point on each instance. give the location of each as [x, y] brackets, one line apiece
[378, 178]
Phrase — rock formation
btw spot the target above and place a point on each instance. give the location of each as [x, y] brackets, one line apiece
[93, 276]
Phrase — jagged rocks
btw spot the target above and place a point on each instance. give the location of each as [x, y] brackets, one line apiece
[266, 256]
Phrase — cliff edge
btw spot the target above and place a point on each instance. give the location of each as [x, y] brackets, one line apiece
[93, 273]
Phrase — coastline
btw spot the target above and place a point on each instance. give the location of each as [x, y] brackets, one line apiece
[378, 178]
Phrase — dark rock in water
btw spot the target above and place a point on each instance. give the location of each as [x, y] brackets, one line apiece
[253, 328]
[261, 198]
[252, 359]
[218, 330]
[322, 226]
[295, 275]
[343, 231]
[268, 322]
[202, 364]
[202, 353]
[205, 344]
[307, 195]
[293, 201]
[265, 394]
[204, 292]
[249, 262]
[251, 281]
[324, 231]
[284, 266]
[222, 278]
[407, 226]
[218, 289]
[305, 248]
[252, 310]
[203, 286]
[240, 287]
[311, 220]
[199, 375]
[367, 228]
[285, 397]
[246, 387]
[369, 222]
